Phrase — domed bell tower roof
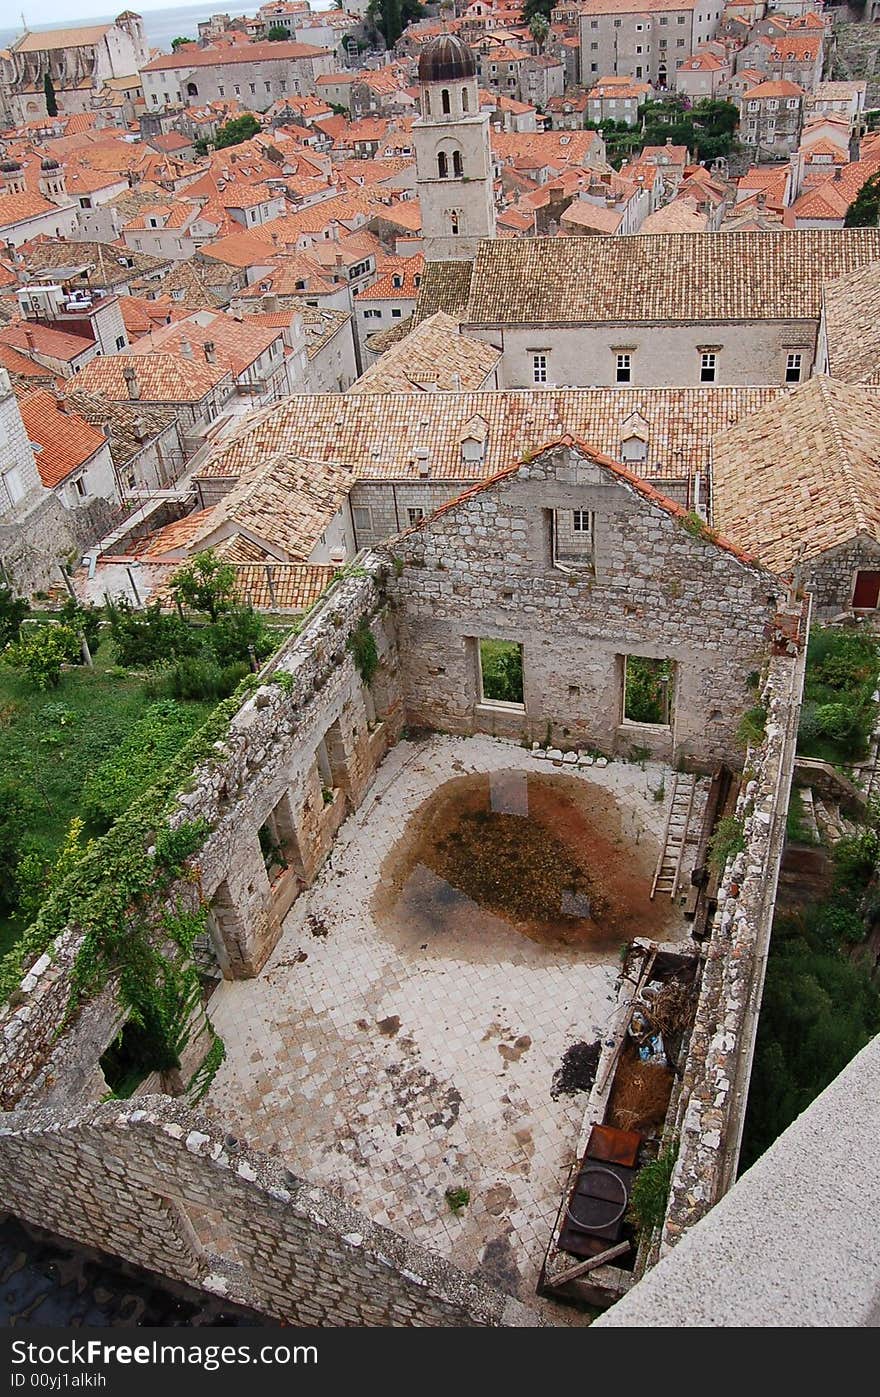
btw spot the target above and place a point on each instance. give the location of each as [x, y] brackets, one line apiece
[446, 59]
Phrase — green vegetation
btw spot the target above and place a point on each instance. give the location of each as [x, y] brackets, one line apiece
[539, 28]
[458, 1198]
[797, 830]
[502, 671]
[149, 746]
[752, 726]
[647, 690]
[51, 752]
[839, 711]
[181, 39]
[531, 8]
[650, 1191]
[40, 653]
[864, 211]
[362, 645]
[13, 610]
[205, 584]
[820, 1005]
[707, 128]
[728, 840]
[390, 17]
[232, 133]
[275, 33]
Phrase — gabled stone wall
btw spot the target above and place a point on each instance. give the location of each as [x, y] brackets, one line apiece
[483, 569]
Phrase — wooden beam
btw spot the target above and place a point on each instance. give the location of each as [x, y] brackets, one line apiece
[573, 1273]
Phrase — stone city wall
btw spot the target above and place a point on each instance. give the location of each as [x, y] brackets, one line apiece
[150, 1181]
[483, 569]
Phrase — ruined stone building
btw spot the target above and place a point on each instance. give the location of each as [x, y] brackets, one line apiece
[311, 1186]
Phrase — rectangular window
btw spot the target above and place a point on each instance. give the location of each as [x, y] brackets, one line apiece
[594, 48]
[793, 368]
[539, 368]
[414, 515]
[253, 87]
[647, 690]
[80, 487]
[500, 665]
[708, 365]
[572, 539]
[372, 315]
[624, 368]
[221, 90]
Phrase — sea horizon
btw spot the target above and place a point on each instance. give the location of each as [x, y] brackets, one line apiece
[160, 26]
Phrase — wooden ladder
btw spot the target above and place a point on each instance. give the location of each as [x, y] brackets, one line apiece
[667, 874]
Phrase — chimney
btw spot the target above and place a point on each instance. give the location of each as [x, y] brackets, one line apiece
[838, 171]
[186, 349]
[210, 352]
[131, 383]
[761, 199]
[29, 338]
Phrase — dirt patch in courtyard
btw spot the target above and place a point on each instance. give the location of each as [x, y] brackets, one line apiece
[540, 855]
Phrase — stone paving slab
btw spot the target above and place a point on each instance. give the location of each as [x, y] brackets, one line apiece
[378, 1071]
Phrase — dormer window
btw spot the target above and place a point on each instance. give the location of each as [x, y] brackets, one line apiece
[633, 448]
[473, 452]
[397, 281]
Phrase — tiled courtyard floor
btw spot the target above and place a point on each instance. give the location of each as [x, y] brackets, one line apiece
[389, 1072]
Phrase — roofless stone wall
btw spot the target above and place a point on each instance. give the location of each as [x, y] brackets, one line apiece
[150, 1181]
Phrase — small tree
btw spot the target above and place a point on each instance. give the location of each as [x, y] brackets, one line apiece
[275, 33]
[205, 584]
[13, 610]
[240, 128]
[49, 93]
[539, 28]
[864, 210]
[536, 7]
[42, 651]
[181, 39]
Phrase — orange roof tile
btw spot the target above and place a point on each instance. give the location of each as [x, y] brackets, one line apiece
[66, 439]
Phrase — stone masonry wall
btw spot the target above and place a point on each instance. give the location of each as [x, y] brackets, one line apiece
[716, 1075]
[267, 762]
[831, 577]
[150, 1181]
[483, 569]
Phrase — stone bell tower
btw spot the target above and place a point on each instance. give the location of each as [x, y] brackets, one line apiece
[453, 153]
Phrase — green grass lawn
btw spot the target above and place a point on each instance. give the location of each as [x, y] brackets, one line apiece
[51, 743]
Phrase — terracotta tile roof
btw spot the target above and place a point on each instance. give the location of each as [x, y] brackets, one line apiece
[805, 470]
[433, 355]
[852, 324]
[67, 440]
[228, 53]
[614, 468]
[680, 216]
[296, 586]
[56, 344]
[445, 286]
[163, 378]
[237, 343]
[403, 269]
[773, 89]
[709, 277]
[15, 208]
[285, 501]
[47, 39]
[129, 426]
[582, 214]
[376, 433]
[176, 536]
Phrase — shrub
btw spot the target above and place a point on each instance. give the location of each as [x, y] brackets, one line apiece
[205, 584]
[650, 1191]
[200, 677]
[855, 857]
[238, 631]
[143, 638]
[752, 726]
[728, 840]
[41, 652]
[362, 645]
[13, 610]
[84, 620]
[146, 750]
[16, 814]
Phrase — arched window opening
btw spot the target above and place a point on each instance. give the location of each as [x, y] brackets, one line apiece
[464, 99]
[427, 103]
[442, 165]
[444, 101]
[453, 224]
[457, 167]
[192, 90]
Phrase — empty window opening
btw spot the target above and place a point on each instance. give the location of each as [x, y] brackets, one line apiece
[453, 225]
[331, 762]
[278, 842]
[214, 1231]
[464, 99]
[501, 672]
[140, 1048]
[457, 167]
[444, 101]
[708, 365]
[624, 368]
[793, 368]
[442, 165]
[573, 539]
[647, 690]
